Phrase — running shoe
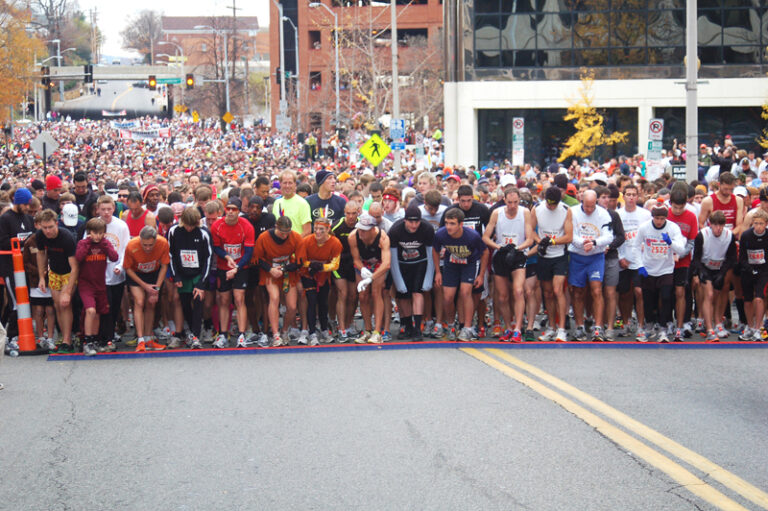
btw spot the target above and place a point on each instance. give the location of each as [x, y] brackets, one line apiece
[193, 342]
[548, 335]
[597, 334]
[610, 335]
[764, 333]
[438, 331]
[700, 328]
[641, 337]
[712, 336]
[618, 324]
[46, 343]
[106, 348]
[163, 333]
[580, 334]
[428, 327]
[140, 346]
[687, 330]
[386, 336]
[221, 342]
[506, 336]
[496, 330]
[529, 336]
[241, 341]
[517, 336]
[756, 336]
[263, 340]
[678, 337]
[480, 332]
[65, 348]
[562, 335]
[721, 332]
[277, 340]
[405, 333]
[303, 337]
[152, 344]
[363, 337]
[89, 350]
[747, 334]
[450, 334]
[132, 342]
[174, 343]
[294, 333]
[662, 338]
[342, 336]
[465, 335]
[375, 338]
[313, 340]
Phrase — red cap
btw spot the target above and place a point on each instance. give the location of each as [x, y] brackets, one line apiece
[52, 182]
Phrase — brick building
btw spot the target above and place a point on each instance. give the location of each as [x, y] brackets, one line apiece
[364, 58]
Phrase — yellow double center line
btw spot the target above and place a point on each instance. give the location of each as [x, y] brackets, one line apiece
[676, 471]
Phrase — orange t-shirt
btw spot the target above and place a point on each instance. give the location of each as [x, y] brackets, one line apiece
[328, 254]
[140, 261]
[276, 255]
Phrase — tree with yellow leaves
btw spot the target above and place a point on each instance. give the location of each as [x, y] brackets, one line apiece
[590, 133]
[763, 138]
[17, 51]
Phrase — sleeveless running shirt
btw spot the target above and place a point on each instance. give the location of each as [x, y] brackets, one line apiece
[369, 254]
[730, 209]
[552, 223]
[135, 225]
[510, 230]
[714, 248]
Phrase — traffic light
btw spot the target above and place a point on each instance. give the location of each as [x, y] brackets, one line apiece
[152, 82]
[88, 73]
[45, 79]
[190, 81]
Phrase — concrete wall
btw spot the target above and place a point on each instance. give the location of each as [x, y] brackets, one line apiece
[463, 99]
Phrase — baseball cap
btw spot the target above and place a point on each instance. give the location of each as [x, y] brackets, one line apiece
[507, 179]
[454, 176]
[22, 196]
[741, 191]
[69, 215]
[412, 212]
[366, 222]
[52, 182]
[235, 201]
[599, 177]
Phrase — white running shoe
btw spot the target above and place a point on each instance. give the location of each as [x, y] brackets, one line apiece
[313, 340]
[562, 335]
[548, 336]
[302, 337]
[721, 332]
[241, 341]
[221, 342]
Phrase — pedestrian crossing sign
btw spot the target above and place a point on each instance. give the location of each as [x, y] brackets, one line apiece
[375, 150]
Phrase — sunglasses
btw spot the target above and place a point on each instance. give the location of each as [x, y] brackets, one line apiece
[551, 201]
[233, 208]
[122, 196]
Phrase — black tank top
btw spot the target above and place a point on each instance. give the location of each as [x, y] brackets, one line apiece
[369, 254]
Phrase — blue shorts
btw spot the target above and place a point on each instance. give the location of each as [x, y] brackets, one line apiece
[585, 268]
[453, 274]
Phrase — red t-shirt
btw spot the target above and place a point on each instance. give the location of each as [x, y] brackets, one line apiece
[730, 209]
[689, 226]
[232, 238]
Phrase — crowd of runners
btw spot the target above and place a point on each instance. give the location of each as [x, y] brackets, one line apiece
[244, 238]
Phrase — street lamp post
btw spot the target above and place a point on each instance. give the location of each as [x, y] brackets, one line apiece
[58, 64]
[283, 102]
[314, 5]
[226, 58]
[296, 52]
[181, 54]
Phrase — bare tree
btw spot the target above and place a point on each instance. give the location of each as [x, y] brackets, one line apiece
[50, 16]
[143, 32]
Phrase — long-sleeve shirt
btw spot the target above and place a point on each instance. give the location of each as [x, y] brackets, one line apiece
[191, 254]
[119, 235]
[92, 261]
[595, 227]
[753, 251]
[618, 236]
[631, 222]
[655, 254]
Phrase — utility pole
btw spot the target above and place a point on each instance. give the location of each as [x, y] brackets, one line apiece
[691, 93]
[234, 8]
[395, 77]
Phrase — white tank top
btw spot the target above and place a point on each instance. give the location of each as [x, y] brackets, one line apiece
[552, 223]
[714, 250]
[510, 230]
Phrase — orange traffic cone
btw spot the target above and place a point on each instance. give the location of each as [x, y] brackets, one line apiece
[23, 310]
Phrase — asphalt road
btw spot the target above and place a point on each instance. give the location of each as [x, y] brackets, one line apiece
[385, 429]
[115, 97]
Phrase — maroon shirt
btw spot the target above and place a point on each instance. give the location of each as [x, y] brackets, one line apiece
[92, 259]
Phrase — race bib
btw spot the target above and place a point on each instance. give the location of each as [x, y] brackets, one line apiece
[756, 256]
[659, 249]
[234, 251]
[410, 254]
[630, 235]
[189, 259]
[23, 236]
[510, 240]
[470, 224]
[457, 260]
[147, 267]
[278, 262]
[713, 265]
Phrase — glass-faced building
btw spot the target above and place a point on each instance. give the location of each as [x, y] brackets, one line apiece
[523, 58]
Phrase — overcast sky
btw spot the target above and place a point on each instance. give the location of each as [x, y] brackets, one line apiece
[112, 16]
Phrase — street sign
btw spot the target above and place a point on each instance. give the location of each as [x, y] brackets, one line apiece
[195, 116]
[168, 81]
[678, 172]
[398, 146]
[227, 117]
[397, 129]
[44, 145]
[375, 150]
[655, 136]
[518, 141]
